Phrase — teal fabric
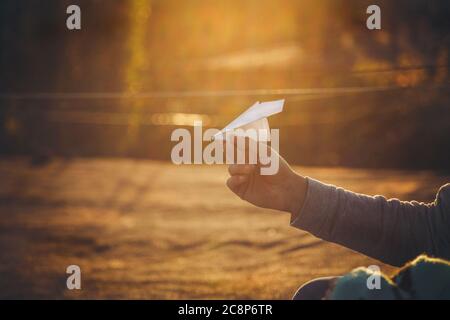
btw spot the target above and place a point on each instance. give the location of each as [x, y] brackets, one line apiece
[424, 278]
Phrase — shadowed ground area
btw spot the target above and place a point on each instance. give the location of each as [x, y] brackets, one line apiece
[144, 229]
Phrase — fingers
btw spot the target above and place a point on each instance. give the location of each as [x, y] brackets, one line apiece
[244, 150]
[241, 169]
[240, 149]
[235, 183]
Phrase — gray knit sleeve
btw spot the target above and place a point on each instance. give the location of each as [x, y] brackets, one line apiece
[391, 231]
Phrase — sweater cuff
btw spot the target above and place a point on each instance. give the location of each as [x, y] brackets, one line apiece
[313, 215]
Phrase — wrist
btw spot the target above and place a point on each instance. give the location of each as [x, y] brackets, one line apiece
[297, 194]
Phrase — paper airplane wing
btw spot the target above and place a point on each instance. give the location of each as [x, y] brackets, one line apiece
[254, 117]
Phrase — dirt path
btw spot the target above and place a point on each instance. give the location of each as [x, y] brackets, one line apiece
[143, 229]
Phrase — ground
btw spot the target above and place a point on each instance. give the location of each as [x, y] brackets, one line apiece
[152, 230]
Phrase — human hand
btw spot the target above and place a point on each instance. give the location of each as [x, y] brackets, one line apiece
[285, 190]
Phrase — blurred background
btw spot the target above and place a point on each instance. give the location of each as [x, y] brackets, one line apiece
[140, 68]
[86, 118]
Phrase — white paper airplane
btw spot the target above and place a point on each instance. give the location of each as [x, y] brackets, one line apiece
[255, 118]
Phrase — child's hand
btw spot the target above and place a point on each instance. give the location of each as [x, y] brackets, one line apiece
[283, 191]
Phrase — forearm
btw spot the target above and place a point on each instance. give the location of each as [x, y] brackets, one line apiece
[389, 230]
